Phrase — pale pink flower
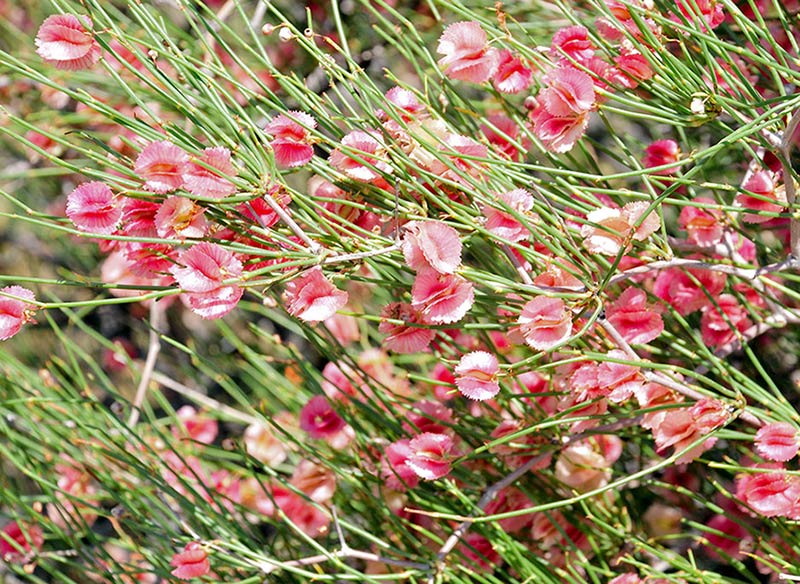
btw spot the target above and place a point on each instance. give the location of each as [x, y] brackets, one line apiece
[632, 318]
[545, 323]
[191, 563]
[161, 164]
[262, 444]
[364, 163]
[315, 480]
[680, 427]
[476, 375]
[214, 303]
[180, 217]
[319, 419]
[64, 40]
[760, 193]
[15, 312]
[344, 328]
[94, 208]
[608, 229]
[505, 224]
[441, 298]
[572, 42]
[512, 76]
[195, 426]
[661, 153]
[466, 53]
[704, 226]
[777, 441]
[406, 101]
[406, 337]
[204, 178]
[430, 455]
[395, 471]
[720, 321]
[584, 466]
[431, 244]
[311, 297]
[292, 142]
[615, 381]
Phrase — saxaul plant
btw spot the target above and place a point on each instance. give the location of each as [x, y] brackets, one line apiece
[387, 291]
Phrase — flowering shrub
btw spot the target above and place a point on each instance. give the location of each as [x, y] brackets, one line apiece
[399, 291]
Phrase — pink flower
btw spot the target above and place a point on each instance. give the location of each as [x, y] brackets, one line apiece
[630, 315]
[704, 226]
[180, 217]
[428, 416]
[569, 92]
[204, 178]
[319, 419]
[687, 294]
[441, 298]
[720, 323]
[406, 337]
[633, 66]
[765, 197]
[368, 149]
[505, 224]
[64, 41]
[93, 208]
[476, 375]
[572, 42]
[262, 444]
[406, 101]
[465, 154]
[771, 494]
[512, 76]
[467, 55]
[311, 297]
[777, 441]
[430, 455]
[192, 562]
[205, 267]
[660, 153]
[292, 142]
[395, 471]
[195, 426]
[161, 165]
[545, 323]
[431, 244]
[558, 133]
[16, 311]
[503, 134]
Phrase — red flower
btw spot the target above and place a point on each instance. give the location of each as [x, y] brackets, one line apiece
[192, 562]
[319, 419]
[64, 41]
[17, 540]
[660, 153]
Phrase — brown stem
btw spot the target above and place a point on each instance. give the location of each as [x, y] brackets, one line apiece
[153, 349]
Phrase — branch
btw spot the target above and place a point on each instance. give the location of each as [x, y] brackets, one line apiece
[788, 182]
[153, 349]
